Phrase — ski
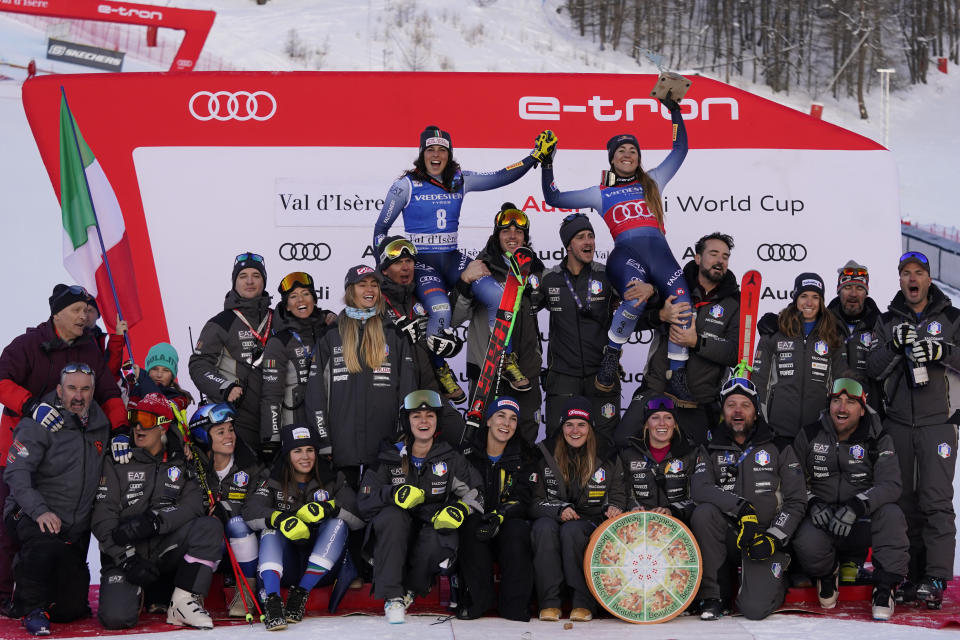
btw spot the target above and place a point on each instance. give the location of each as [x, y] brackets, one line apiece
[520, 263]
[750, 289]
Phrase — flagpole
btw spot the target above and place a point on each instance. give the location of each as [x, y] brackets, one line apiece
[96, 220]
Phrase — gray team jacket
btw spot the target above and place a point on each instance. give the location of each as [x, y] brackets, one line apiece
[57, 472]
[551, 494]
[930, 404]
[864, 466]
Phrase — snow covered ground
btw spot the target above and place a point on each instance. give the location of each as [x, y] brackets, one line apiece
[514, 36]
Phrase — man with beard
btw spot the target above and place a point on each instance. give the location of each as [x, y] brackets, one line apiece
[857, 314]
[750, 499]
[53, 478]
[915, 342]
[711, 339]
[225, 364]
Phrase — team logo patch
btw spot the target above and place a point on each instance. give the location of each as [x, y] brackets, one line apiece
[600, 475]
[386, 349]
[608, 410]
[173, 473]
[321, 495]
[533, 477]
[716, 311]
[680, 291]
[856, 451]
[821, 347]
[533, 281]
[596, 287]
[776, 569]
[934, 328]
[944, 450]
[762, 457]
[418, 309]
[675, 466]
[440, 469]
[866, 338]
[240, 478]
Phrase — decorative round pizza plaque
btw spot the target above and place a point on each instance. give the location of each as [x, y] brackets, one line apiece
[643, 567]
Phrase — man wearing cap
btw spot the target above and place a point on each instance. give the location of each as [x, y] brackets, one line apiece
[53, 480]
[225, 364]
[853, 483]
[581, 301]
[857, 314]
[711, 340]
[915, 341]
[750, 499]
[30, 368]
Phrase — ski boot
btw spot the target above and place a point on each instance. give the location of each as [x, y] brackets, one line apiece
[186, 609]
[296, 604]
[394, 611]
[882, 603]
[37, 622]
[711, 609]
[515, 377]
[273, 618]
[609, 370]
[906, 592]
[448, 384]
[828, 589]
[931, 592]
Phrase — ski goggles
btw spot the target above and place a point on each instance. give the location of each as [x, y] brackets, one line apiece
[512, 217]
[77, 367]
[423, 398]
[854, 271]
[850, 387]
[246, 257]
[146, 420]
[297, 278]
[914, 256]
[396, 248]
[570, 217]
[737, 385]
[73, 290]
[660, 403]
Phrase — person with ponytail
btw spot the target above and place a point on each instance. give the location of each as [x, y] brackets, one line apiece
[579, 485]
[629, 199]
[362, 369]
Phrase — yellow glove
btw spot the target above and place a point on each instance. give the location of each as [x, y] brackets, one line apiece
[450, 517]
[294, 529]
[276, 517]
[544, 147]
[314, 512]
[407, 496]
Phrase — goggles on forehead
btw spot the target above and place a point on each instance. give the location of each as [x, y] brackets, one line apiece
[733, 384]
[77, 367]
[914, 255]
[513, 217]
[662, 402]
[147, 420]
[244, 257]
[850, 387]
[396, 249]
[570, 217]
[853, 271]
[293, 279]
[422, 398]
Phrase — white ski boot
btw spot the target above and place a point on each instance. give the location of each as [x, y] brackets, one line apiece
[186, 609]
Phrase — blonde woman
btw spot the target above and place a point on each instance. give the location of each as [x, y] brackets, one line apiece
[362, 370]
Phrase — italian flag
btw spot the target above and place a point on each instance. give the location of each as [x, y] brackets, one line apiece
[83, 251]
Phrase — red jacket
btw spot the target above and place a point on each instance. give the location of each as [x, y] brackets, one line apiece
[30, 367]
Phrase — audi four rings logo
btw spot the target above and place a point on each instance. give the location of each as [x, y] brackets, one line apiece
[782, 252]
[627, 210]
[232, 105]
[318, 251]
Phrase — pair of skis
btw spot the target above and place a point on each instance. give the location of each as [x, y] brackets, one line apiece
[490, 370]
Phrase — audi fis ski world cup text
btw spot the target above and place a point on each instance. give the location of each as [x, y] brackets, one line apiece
[702, 204]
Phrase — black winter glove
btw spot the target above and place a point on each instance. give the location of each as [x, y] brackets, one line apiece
[845, 517]
[670, 103]
[768, 324]
[139, 570]
[748, 525]
[820, 514]
[925, 350]
[145, 525]
[904, 335]
[490, 526]
[409, 327]
[762, 547]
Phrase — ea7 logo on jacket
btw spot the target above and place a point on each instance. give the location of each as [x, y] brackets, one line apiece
[819, 447]
[762, 458]
[133, 476]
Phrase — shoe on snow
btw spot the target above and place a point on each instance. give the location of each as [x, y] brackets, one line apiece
[930, 591]
[711, 609]
[273, 618]
[882, 604]
[37, 622]
[609, 371]
[186, 609]
[296, 604]
[395, 610]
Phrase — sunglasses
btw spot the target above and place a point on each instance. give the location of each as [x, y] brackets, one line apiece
[514, 217]
[147, 420]
[742, 384]
[397, 248]
[914, 255]
[655, 404]
[422, 398]
[291, 280]
[850, 387]
[246, 257]
[77, 367]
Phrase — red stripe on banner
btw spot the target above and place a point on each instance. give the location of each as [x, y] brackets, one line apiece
[121, 266]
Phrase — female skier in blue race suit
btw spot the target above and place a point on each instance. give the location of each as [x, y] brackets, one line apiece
[430, 196]
[629, 201]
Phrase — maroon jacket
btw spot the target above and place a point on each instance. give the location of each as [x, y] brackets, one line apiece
[30, 367]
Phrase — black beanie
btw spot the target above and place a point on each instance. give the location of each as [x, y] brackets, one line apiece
[248, 263]
[577, 407]
[571, 226]
[64, 296]
[807, 282]
[435, 135]
[616, 141]
[297, 435]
